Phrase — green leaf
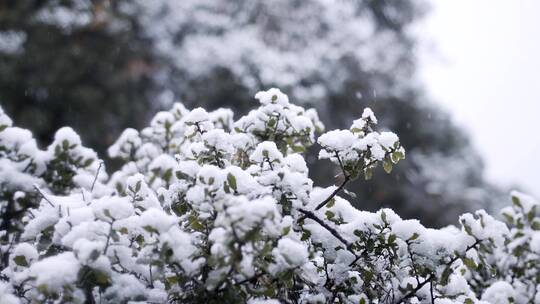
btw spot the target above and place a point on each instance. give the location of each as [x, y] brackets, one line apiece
[368, 275]
[383, 217]
[446, 275]
[139, 239]
[20, 260]
[508, 217]
[329, 214]
[298, 149]
[102, 279]
[57, 150]
[88, 162]
[195, 224]
[286, 230]
[173, 280]
[231, 179]
[531, 214]
[387, 166]
[397, 156]
[370, 245]
[43, 288]
[181, 175]
[150, 229]
[368, 174]
[468, 229]
[226, 188]
[331, 203]
[167, 175]
[305, 235]
[272, 122]
[469, 263]
[413, 237]
[516, 201]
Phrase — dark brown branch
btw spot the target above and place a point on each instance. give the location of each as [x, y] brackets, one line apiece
[312, 216]
[431, 292]
[338, 189]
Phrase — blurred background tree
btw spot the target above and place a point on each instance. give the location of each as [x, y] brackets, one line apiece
[101, 66]
[73, 63]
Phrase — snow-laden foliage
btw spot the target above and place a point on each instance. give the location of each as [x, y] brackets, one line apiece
[338, 56]
[211, 209]
[117, 62]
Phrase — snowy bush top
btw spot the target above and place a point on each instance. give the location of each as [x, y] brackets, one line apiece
[210, 209]
[301, 46]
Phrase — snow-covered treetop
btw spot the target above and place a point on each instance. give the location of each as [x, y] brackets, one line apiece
[207, 208]
[300, 46]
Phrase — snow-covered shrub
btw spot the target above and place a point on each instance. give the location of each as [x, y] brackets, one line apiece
[210, 209]
[29, 175]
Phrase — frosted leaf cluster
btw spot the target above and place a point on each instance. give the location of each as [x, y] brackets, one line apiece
[208, 208]
[360, 149]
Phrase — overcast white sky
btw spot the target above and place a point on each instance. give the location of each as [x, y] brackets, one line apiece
[487, 74]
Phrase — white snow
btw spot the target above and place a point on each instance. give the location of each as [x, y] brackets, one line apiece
[56, 271]
[499, 293]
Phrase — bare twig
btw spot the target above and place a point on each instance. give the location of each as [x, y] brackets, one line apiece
[108, 238]
[96, 177]
[338, 189]
[310, 215]
[43, 195]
